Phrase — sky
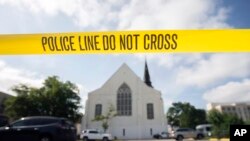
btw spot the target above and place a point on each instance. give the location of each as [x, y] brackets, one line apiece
[197, 78]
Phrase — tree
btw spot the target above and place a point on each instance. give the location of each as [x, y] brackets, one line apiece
[185, 115]
[221, 122]
[201, 116]
[54, 98]
[247, 122]
[105, 119]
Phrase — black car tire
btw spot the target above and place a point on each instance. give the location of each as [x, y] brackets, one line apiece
[45, 138]
[179, 138]
[105, 139]
[85, 139]
[160, 137]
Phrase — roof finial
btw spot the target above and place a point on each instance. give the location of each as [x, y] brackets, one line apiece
[146, 75]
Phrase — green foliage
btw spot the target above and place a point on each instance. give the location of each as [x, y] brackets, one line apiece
[221, 123]
[185, 115]
[106, 118]
[54, 98]
[247, 122]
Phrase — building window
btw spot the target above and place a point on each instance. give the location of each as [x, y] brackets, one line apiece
[98, 110]
[223, 109]
[123, 132]
[124, 101]
[150, 111]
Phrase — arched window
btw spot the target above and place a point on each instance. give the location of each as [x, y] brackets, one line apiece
[124, 101]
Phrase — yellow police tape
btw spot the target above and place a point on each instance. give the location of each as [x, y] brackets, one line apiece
[231, 40]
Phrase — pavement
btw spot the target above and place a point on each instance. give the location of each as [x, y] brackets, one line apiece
[162, 140]
[167, 140]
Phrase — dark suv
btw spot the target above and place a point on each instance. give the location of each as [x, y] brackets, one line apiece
[39, 128]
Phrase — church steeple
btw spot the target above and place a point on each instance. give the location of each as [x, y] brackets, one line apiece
[146, 75]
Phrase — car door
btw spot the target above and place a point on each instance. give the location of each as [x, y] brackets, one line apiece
[183, 132]
[15, 129]
[191, 133]
[100, 135]
[69, 130]
[164, 135]
[92, 134]
[24, 130]
[31, 131]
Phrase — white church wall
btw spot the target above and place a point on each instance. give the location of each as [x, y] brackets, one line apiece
[136, 126]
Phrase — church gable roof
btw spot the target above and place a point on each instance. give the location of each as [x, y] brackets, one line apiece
[123, 74]
[124, 68]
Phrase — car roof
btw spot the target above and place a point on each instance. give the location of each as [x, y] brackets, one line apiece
[91, 130]
[203, 125]
[184, 128]
[42, 117]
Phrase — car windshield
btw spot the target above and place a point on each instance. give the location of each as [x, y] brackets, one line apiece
[184, 129]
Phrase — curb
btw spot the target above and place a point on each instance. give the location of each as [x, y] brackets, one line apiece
[223, 139]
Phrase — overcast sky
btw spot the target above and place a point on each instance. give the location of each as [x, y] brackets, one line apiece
[195, 78]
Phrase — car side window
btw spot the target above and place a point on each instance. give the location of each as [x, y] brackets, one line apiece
[93, 132]
[67, 123]
[70, 123]
[200, 130]
[34, 122]
[208, 128]
[64, 123]
[20, 123]
[184, 130]
[181, 130]
[48, 121]
[190, 130]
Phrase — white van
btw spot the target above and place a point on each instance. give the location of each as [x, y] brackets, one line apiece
[205, 129]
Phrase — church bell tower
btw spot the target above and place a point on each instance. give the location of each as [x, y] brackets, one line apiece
[146, 75]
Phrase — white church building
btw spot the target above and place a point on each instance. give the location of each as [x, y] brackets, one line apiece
[139, 107]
